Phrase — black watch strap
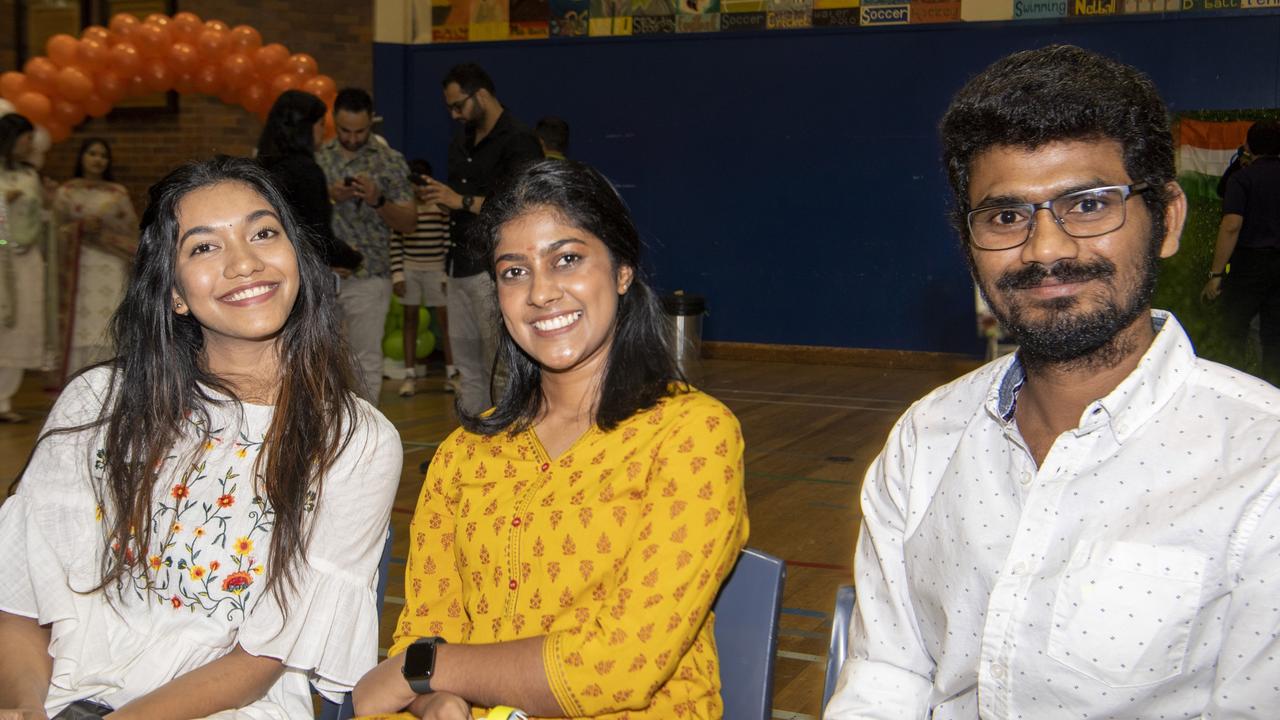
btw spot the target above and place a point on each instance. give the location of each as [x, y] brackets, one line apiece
[420, 664]
[382, 200]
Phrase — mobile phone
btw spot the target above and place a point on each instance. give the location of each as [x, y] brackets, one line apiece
[83, 710]
[417, 179]
[348, 181]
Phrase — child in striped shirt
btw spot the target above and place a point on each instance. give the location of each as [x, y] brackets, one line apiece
[418, 275]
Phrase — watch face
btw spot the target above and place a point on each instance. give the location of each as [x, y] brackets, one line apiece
[420, 665]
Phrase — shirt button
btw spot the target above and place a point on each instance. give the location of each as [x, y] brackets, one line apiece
[1026, 478]
[468, 159]
[997, 670]
[1020, 569]
[513, 584]
[546, 466]
[515, 522]
[464, 181]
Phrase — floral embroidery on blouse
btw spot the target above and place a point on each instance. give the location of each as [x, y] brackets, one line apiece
[208, 554]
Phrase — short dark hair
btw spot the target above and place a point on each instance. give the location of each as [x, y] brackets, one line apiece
[554, 133]
[640, 369]
[84, 148]
[1060, 93]
[12, 127]
[288, 130]
[1264, 138]
[470, 78]
[352, 99]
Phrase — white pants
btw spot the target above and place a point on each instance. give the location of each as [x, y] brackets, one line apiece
[10, 381]
[473, 337]
[364, 304]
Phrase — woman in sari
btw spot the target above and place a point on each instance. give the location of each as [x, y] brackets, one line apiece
[98, 234]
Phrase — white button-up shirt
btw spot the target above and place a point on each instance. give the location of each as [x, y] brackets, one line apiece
[1134, 574]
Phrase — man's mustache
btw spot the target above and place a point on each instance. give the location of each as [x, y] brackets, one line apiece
[1064, 271]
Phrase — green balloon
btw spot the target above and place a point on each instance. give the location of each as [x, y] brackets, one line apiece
[395, 316]
[425, 344]
[393, 345]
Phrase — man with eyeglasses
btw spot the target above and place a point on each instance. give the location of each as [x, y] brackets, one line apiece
[490, 145]
[1087, 528]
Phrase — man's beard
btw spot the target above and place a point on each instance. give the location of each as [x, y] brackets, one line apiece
[476, 121]
[354, 147]
[1092, 338]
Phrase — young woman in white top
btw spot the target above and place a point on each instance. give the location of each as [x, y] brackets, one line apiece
[198, 528]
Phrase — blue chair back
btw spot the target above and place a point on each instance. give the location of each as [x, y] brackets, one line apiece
[839, 645]
[346, 711]
[746, 631]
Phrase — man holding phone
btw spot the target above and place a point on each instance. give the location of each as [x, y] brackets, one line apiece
[369, 187]
[490, 145]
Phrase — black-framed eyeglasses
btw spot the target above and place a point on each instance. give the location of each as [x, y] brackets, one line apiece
[457, 106]
[1081, 214]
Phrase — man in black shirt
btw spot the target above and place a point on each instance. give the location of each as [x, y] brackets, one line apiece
[489, 146]
[1249, 236]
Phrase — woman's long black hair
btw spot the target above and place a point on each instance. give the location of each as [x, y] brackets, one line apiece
[161, 388]
[288, 130]
[84, 148]
[640, 369]
[12, 126]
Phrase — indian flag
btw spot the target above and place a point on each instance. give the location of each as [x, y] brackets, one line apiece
[1204, 151]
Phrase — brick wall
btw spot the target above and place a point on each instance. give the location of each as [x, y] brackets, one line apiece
[338, 33]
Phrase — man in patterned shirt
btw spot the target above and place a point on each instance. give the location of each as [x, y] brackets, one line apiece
[369, 187]
[1087, 528]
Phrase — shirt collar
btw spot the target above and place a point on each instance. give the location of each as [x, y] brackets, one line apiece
[1163, 369]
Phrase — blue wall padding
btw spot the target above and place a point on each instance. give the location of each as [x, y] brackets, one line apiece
[793, 177]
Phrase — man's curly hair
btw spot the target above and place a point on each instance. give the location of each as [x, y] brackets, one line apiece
[1059, 93]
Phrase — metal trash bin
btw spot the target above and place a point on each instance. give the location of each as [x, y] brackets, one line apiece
[684, 325]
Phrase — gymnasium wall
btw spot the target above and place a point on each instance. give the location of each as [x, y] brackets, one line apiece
[793, 178]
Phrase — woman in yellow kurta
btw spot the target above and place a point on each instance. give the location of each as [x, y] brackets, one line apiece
[568, 545]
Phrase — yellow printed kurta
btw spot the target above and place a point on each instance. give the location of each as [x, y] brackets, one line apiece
[614, 551]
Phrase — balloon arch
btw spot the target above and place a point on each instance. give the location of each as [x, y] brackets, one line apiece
[86, 77]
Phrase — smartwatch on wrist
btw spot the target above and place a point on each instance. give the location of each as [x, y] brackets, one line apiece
[467, 201]
[420, 664]
[1217, 275]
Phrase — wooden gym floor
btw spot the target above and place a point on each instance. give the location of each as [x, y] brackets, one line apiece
[811, 431]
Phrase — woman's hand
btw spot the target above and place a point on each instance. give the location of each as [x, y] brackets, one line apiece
[23, 714]
[443, 706]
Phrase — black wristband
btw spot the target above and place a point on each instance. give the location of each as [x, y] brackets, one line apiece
[381, 201]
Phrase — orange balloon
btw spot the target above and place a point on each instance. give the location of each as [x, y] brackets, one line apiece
[136, 85]
[237, 70]
[330, 129]
[245, 39]
[270, 60]
[57, 131]
[229, 96]
[284, 81]
[62, 49]
[96, 106]
[157, 76]
[217, 25]
[123, 25]
[185, 83]
[302, 64]
[212, 44]
[207, 80]
[94, 54]
[67, 112]
[254, 97]
[74, 84]
[34, 106]
[183, 57]
[42, 75]
[96, 32]
[125, 59]
[111, 86]
[322, 86]
[151, 39]
[157, 19]
[186, 27]
[12, 84]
